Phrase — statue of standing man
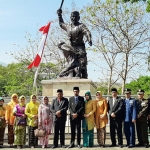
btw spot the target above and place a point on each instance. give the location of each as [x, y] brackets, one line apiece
[74, 53]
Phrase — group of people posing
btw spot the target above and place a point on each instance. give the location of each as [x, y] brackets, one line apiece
[85, 113]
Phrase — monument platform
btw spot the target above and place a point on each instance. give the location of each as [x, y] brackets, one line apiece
[49, 87]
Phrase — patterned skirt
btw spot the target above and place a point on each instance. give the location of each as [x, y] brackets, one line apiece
[32, 140]
[10, 134]
[20, 135]
[2, 131]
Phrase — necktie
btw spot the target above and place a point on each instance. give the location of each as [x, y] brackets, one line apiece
[76, 100]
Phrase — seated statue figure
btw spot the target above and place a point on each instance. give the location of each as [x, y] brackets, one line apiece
[74, 53]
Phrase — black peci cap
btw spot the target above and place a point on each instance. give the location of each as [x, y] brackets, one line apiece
[113, 90]
[75, 88]
[59, 91]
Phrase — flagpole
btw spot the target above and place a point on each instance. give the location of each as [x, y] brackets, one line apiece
[37, 70]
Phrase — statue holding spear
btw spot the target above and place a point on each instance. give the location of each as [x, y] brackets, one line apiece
[75, 53]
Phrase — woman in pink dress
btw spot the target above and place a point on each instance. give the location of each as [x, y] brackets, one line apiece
[45, 119]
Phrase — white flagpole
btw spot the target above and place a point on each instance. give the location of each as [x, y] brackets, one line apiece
[35, 79]
[37, 70]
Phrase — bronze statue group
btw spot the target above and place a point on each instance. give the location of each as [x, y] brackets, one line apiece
[128, 116]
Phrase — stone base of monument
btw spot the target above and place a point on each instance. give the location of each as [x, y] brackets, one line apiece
[49, 87]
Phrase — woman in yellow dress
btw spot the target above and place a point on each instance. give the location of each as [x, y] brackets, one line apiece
[10, 118]
[101, 118]
[2, 121]
[31, 111]
[88, 121]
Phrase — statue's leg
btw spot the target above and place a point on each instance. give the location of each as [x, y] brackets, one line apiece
[68, 69]
[84, 72]
[77, 72]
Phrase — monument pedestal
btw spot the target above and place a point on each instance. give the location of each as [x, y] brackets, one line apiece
[49, 87]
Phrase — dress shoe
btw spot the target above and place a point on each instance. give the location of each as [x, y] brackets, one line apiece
[54, 147]
[112, 145]
[63, 146]
[146, 146]
[71, 146]
[79, 146]
[139, 144]
[130, 146]
[121, 146]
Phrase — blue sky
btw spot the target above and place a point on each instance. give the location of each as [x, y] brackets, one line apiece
[20, 16]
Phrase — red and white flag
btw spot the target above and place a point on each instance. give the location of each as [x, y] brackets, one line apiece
[37, 59]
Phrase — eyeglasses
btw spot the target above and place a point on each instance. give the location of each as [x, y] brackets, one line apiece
[14, 97]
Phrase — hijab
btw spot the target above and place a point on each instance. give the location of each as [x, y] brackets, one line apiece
[12, 101]
[89, 94]
[31, 102]
[100, 95]
[22, 103]
[43, 100]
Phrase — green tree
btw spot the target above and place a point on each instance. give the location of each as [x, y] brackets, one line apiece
[3, 80]
[143, 82]
[134, 1]
[120, 38]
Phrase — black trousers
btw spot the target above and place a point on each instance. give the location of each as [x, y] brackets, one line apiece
[59, 128]
[75, 125]
[142, 132]
[116, 125]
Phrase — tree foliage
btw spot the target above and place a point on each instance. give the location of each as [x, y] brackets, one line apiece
[135, 1]
[143, 82]
[121, 38]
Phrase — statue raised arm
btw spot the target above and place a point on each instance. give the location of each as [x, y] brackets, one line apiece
[75, 53]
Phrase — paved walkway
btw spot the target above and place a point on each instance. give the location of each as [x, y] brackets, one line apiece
[83, 148]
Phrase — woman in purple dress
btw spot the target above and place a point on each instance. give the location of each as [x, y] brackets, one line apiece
[20, 123]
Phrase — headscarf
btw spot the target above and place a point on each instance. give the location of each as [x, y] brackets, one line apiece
[43, 99]
[22, 103]
[100, 95]
[31, 98]
[12, 101]
[89, 94]
[1, 99]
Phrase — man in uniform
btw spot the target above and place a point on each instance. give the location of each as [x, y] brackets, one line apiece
[130, 113]
[115, 108]
[141, 123]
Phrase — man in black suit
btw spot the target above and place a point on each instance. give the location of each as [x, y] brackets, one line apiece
[115, 108]
[76, 108]
[59, 108]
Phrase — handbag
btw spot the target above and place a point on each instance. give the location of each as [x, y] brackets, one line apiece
[21, 122]
[39, 132]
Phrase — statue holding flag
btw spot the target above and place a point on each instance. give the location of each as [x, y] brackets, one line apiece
[74, 53]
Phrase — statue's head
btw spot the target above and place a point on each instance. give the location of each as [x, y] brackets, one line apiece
[75, 17]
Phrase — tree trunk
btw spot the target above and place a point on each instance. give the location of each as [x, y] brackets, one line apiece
[125, 72]
[110, 81]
